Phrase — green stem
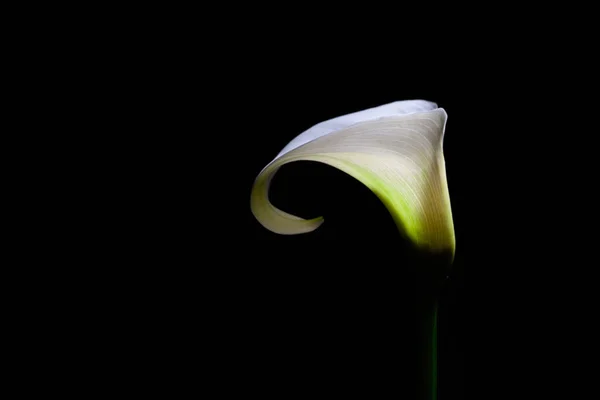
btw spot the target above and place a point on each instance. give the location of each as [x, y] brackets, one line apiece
[430, 282]
[428, 353]
[428, 345]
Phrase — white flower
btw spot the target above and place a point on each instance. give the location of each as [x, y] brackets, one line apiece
[395, 150]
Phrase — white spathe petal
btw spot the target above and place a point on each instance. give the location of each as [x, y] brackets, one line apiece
[338, 123]
[395, 150]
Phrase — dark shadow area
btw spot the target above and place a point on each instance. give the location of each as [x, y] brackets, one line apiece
[351, 211]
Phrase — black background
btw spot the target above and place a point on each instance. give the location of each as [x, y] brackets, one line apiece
[189, 293]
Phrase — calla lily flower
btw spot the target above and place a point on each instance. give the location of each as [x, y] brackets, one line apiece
[395, 150]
